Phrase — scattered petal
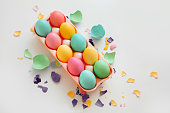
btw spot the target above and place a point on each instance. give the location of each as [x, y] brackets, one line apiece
[29, 71]
[110, 40]
[106, 47]
[120, 105]
[70, 94]
[131, 80]
[113, 46]
[107, 43]
[31, 29]
[100, 89]
[109, 57]
[37, 79]
[35, 8]
[136, 92]
[20, 58]
[99, 103]
[74, 102]
[40, 61]
[40, 16]
[88, 31]
[91, 41]
[97, 31]
[85, 97]
[84, 106]
[123, 73]
[67, 17]
[76, 17]
[102, 53]
[44, 89]
[110, 103]
[39, 86]
[45, 82]
[55, 76]
[113, 103]
[27, 54]
[154, 74]
[106, 39]
[17, 33]
[55, 64]
[88, 103]
[77, 91]
[123, 97]
[114, 70]
[103, 92]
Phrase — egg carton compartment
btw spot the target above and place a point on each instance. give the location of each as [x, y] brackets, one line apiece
[78, 55]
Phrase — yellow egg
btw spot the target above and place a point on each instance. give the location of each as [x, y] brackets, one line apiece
[64, 53]
[67, 30]
[90, 55]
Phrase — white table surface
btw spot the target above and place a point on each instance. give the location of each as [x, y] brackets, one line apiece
[141, 30]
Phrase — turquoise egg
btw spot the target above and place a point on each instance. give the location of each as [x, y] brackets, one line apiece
[87, 79]
[78, 43]
[42, 27]
[101, 69]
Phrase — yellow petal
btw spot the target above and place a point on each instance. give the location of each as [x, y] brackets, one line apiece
[106, 39]
[107, 43]
[136, 92]
[100, 89]
[154, 74]
[123, 73]
[113, 103]
[71, 94]
[17, 33]
[102, 53]
[19, 58]
[31, 29]
[88, 103]
[123, 97]
[131, 80]
[40, 16]
[106, 47]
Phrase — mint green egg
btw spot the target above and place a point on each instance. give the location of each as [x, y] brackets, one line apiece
[78, 42]
[87, 79]
[42, 27]
[101, 69]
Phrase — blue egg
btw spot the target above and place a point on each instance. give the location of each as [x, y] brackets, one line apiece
[78, 43]
[42, 27]
[87, 79]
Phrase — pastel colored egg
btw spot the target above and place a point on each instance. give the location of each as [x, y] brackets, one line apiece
[57, 18]
[53, 41]
[78, 42]
[66, 42]
[42, 27]
[64, 53]
[75, 66]
[101, 69]
[88, 67]
[78, 55]
[87, 79]
[90, 55]
[67, 30]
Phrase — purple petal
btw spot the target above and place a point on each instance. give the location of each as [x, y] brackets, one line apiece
[99, 103]
[110, 40]
[114, 70]
[77, 92]
[74, 102]
[39, 86]
[103, 92]
[85, 97]
[55, 76]
[84, 106]
[91, 41]
[37, 79]
[44, 89]
[45, 82]
[110, 103]
[67, 17]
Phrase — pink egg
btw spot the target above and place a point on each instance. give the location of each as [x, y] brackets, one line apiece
[113, 46]
[75, 66]
[53, 41]
[57, 18]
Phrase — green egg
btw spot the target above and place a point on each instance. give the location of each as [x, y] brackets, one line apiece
[78, 43]
[42, 27]
[101, 69]
[87, 79]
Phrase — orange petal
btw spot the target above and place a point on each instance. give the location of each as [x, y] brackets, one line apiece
[88, 103]
[113, 103]
[17, 33]
[19, 58]
[106, 47]
[123, 73]
[136, 92]
[154, 74]
[71, 94]
[31, 29]
[131, 80]
[40, 16]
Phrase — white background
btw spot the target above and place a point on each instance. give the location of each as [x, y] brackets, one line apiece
[141, 30]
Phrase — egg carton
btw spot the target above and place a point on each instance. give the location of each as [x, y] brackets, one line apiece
[82, 90]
